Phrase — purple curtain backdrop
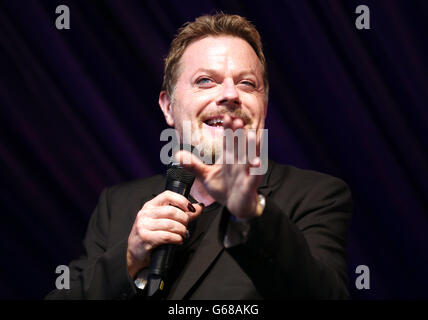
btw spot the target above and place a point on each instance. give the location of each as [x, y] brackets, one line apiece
[79, 112]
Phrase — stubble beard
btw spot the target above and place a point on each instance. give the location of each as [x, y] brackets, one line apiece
[210, 148]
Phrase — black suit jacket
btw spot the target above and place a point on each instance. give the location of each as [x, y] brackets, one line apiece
[295, 249]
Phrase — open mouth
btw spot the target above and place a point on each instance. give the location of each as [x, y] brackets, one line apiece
[214, 122]
[217, 121]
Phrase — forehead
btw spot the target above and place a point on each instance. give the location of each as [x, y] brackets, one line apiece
[220, 53]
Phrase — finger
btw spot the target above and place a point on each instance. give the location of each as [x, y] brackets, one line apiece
[241, 146]
[228, 154]
[256, 162]
[169, 212]
[241, 141]
[166, 225]
[227, 122]
[165, 237]
[169, 197]
[237, 124]
[255, 180]
[253, 159]
[199, 207]
[190, 162]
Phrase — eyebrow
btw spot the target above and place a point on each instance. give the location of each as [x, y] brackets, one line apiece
[259, 85]
[217, 73]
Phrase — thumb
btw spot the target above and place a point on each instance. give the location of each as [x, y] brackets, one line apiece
[199, 207]
[190, 162]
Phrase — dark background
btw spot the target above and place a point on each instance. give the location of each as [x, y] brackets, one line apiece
[79, 112]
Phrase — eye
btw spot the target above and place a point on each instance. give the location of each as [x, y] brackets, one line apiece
[248, 83]
[204, 81]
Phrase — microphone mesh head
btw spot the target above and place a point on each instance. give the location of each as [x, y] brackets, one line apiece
[178, 173]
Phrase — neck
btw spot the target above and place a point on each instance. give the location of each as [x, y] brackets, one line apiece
[200, 194]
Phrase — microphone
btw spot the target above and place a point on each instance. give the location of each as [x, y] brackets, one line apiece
[180, 181]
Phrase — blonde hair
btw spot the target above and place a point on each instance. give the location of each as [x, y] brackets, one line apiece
[211, 25]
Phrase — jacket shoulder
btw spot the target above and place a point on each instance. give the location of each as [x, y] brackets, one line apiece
[135, 191]
[286, 175]
[138, 184]
[294, 188]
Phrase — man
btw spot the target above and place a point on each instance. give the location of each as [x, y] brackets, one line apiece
[278, 235]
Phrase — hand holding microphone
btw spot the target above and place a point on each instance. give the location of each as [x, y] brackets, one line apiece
[160, 224]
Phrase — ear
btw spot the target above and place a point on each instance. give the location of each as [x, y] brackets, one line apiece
[165, 105]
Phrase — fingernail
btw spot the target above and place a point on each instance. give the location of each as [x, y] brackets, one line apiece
[191, 208]
[187, 235]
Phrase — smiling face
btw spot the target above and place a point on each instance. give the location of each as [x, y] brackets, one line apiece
[217, 76]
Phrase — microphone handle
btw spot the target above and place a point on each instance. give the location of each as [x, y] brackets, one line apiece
[162, 257]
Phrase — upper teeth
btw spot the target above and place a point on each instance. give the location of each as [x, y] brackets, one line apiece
[215, 121]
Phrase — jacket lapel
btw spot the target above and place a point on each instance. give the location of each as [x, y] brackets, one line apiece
[207, 251]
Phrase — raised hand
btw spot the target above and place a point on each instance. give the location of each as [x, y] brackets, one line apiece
[230, 184]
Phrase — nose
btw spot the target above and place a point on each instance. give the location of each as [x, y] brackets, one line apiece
[229, 95]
